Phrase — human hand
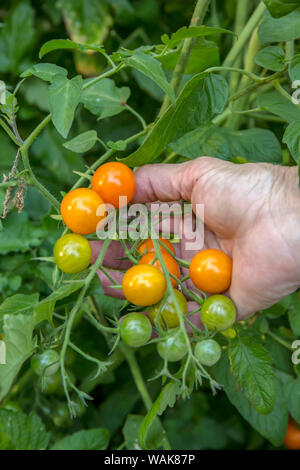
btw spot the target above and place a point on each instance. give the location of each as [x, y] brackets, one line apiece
[252, 213]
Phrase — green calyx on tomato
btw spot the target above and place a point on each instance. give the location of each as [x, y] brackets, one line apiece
[165, 311]
[173, 347]
[208, 352]
[135, 330]
[218, 313]
[72, 253]
[46, 363]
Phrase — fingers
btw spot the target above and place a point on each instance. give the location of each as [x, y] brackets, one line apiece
[112, 255]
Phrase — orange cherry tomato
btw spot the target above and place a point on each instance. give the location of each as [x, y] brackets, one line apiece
[210, 271]
[113, 180]
[79, 210]
[148, 247]
[144, 285]
[170, 262]
[292, 437]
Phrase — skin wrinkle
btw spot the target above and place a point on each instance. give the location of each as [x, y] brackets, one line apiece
[252, 212]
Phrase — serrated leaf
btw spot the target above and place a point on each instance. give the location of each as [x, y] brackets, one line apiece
[273, 425]
[45, 71]
[105, 99]
[294, 68]
[23, 432]
[64, 96]
[191, 32]
[292, 393]
[90, 439]
[251, 365]
[202, 97]
[19, 234]
[130, 431]
[166, 398]
[18, 304]
[152, 68]
[271, 58]
[82, 142]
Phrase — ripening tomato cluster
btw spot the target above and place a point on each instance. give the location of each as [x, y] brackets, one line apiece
[82, 209]
[145, 283]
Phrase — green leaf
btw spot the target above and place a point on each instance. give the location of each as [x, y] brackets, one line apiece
[55, 44]
[17, 334]
[273, 425]
[130, 431]
[17, 304]
[119, 145]
[90, 439]
[277, 104]
[87, 21]
[24, 432]
[292, 393]
[45, 71]
[271, 58]
[62, 292]
[251, 365]
[82, 142]
[152, 68]
[19, 235]
[204, 54]
[278, 309]
[64, 96]
[282, 29]
[202, 97]
[291, 137]
[166, 398]
[16, 37]
[105, 99]
[279, 8]
[294, 314]
[56, 159]
[294, 68]
[191, 32]
[254, 145]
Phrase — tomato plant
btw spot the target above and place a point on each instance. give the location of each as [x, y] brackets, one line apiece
[132, 84]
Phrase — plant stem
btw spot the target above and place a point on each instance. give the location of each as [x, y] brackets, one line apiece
[197, 19]
[246, 33]
[10, 133]
[280, 340]
[53, 201]
[137, 115]
[240, 20]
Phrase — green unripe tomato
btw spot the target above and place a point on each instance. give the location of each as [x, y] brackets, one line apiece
[167, 308]
[46, 363]
[173, 347]
[218, 313]
[135, 330]
[208, 352]
[61, 415]
[72, 253]
[50, 384]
